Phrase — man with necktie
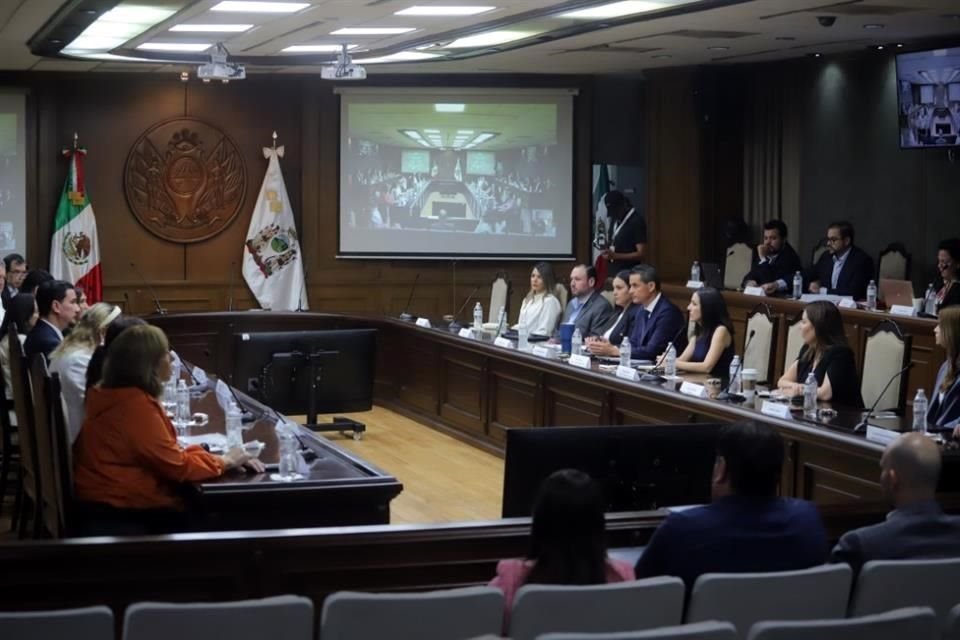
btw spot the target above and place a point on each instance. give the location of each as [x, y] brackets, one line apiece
[657, 320]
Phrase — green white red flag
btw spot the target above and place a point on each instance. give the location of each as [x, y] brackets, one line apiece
[74, 249]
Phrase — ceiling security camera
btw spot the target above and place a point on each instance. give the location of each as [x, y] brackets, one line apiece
[826, 21]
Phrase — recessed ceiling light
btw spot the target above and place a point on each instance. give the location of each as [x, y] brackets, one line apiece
[174, 46]
[899, 45]
[879, 47]
[815, 55]
[212, 28]
[718, 48]
[316, 48]
[402, 56]
[243, 6]
[616, 9]
[489, 38]
[449, 107]
[662, 56]
[873, 26]
[442, 10]
[371, 31]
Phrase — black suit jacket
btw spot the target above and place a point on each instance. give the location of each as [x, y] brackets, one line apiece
[634, 232]
[6, 296]
[783, 267]
[649, 337]
[856, 274]
[41, 339]
[622, 325]
[951, 298]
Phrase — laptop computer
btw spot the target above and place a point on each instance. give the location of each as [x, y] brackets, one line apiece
[896, 292]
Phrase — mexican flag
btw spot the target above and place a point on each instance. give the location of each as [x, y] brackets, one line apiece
[74, 250]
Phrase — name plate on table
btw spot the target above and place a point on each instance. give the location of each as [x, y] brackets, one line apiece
[500, 341]
[628, 373]
[466, 332]
[423, 322]
[902, 310]
[693, 389]
[694, 284]
[847, 303]
[777, 410]
[581, 361]
[754, 291]
[880, 435]
[545, 352]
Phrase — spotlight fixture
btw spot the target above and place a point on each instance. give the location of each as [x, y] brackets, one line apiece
[879, 47]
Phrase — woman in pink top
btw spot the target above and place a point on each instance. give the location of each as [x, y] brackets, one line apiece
[567, 539]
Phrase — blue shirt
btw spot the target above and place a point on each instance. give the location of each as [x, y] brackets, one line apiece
[576, 305]
[838, 262]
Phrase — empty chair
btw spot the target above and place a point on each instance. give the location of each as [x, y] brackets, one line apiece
[894, 262]
[886, 351]
[623, 606]
[952, 629]
[277, 618]
[818, 250]
[739, 257]
[499, 297]
[562, 294]
[698, 631]
[437, 615]
[890, 584]
[794, 342]
[914, 623]
[29, 495]
[758, 351]
[88, 623]
[746, 598]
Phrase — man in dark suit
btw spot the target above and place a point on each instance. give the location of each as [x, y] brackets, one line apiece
[843, 269]
[917, 527]
[747, 527]
[587, 309]
[16, 268]
[774, 261]
[628, 237]
[656, 320]
[58, 308]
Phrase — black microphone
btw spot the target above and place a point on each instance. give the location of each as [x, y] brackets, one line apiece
[156, 301]
[126, 302]
[245, 415]
[736, 397]
[455, 325]
[650, 376]
[309, 455]
[862, 425]
[407, 317]
[233, 266]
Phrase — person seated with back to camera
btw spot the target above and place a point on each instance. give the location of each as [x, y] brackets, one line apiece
[619, 322]
[567, 540]
[827, 354]
[128, 465]
[540, 310]
[712, 351]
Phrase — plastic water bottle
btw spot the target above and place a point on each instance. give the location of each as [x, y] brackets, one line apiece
[287, 468]
[872, 296]
[625, 352]
[477, 317]
[182, 417]
[234, 426]
[920, 411]
[810, 396]
[797, 286]
[576, 342]
[695, 272]
[930, 301]
[501, 320]
[670, 362]
[735, 375]
[522, 338]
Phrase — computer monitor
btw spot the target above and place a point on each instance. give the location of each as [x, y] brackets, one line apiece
[270, 367]
[640, 467]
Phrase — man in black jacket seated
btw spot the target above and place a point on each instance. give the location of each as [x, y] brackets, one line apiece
[844, 269]
[774, 261]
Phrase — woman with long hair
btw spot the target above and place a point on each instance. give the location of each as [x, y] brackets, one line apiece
[567, 539]
[713, 350]
[127, 456]
[95, 367]
[827, 354]
[944, 410]
[620, 324]
[948, 266]
[21, 312]
[540, 310]
[71, 358]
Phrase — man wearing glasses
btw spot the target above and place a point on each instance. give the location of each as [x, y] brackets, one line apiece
[16, 269]
[843, 270]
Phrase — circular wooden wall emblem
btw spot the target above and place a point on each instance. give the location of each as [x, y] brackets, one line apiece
[184, 180]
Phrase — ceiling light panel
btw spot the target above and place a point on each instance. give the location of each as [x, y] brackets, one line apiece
[403, 56]
[182, 47]
[443, 10]
[240, 6]
[316, 48]
[116, 27]
[620, 9]
[211, 28]
[372, 31]
[489, 39]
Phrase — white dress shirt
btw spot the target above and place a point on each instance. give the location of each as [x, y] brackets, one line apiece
[72, 368]
[539, 314]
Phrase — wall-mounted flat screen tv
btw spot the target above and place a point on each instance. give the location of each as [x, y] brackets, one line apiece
[928, 88]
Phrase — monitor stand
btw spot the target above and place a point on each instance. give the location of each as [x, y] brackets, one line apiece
[340, 424]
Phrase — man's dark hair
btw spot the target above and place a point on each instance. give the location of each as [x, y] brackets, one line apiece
[647, 273]
[845, 229]
[590, 270]
[49, 292]
[616, 199]
[33, 280]
[778, 225]
[13, 258]
[952, 247]
[753, 453]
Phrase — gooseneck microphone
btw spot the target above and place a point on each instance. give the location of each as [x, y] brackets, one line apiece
[408, 317]
[233, 266]
[736, 397]
[153, 294]
[652, 376]
[455, 325]
[862, 425]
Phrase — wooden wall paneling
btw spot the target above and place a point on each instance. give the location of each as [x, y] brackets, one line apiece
[826, 476]
[513, 401]
[568, 403]
[628, 409]
[419, 381]
[927, 358]
[462, 390]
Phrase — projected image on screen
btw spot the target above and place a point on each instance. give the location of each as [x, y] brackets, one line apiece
[429, 177]
[928, 84]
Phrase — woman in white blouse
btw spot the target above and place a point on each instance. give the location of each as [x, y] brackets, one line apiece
[71, 358]
[540, 310]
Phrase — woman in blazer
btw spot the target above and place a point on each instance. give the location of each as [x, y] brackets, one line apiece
[620, 321]
[944, 410]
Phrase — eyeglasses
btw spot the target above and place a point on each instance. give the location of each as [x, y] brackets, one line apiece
[834, 239]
